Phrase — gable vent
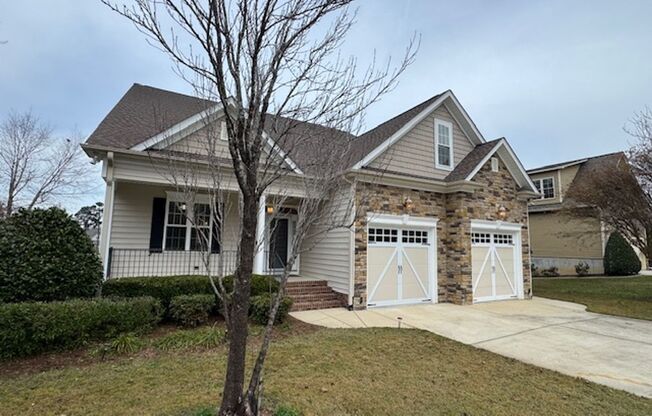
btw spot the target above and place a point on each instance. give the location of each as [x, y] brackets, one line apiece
[494, 164]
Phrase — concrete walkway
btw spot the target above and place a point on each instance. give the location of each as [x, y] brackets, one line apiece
[560, 336]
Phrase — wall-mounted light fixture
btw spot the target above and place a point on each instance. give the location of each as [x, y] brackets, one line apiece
[502, 212]
[407, 203]
[270, 210]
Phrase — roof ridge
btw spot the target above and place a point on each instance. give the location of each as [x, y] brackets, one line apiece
[433, 98]
[574, 161]
[151, 87]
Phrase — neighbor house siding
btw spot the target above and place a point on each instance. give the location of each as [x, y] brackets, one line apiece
[561, 241]
[414, 154]
[328, 256]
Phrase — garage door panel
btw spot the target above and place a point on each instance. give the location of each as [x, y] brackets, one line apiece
[399, 267]
[493, 260]
[415, 273]
[382, 267]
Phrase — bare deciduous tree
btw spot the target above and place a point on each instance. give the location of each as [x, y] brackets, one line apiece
[614, 190]
[267, 63]
[35, 167]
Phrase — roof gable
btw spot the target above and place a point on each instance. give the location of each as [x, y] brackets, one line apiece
[144, 112]
[373, 143]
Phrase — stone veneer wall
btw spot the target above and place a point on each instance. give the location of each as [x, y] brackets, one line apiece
[455, 212]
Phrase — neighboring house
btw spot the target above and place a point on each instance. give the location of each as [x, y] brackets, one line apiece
[561, 240]
[447, 221]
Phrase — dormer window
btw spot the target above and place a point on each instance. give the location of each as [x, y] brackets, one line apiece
[443, 144]
[546, 187]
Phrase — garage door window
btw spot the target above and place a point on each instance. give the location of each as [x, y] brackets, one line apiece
[481, 238]
[382, 235]
[503, 239]
[414, 237]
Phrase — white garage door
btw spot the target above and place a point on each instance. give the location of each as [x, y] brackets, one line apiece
[400, 265]
[495, 264]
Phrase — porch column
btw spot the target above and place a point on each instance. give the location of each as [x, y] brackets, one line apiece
[259, 259]
[109, 196]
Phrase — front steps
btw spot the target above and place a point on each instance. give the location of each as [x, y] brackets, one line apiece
[313, 294]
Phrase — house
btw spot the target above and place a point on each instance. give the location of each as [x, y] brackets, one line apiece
[447, 221]
[558, 239]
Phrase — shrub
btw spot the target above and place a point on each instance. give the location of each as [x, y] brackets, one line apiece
[260, 284]
[31, 327]
[166, 287]
[191, 338]
[582, 268]
[284, 410]
[261, 305]
[45, 255]
[549, 272]
[192, 310]
[162, 288]
[126, 344]
[620, 259]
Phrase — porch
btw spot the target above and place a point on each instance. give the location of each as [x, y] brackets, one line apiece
[147, 234]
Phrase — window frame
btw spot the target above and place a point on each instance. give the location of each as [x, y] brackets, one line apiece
[173, 197]
[449, 125]
[540, 187]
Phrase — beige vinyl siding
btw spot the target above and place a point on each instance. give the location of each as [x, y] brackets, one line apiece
[197, 142]
[562, 179]
[329, 255]
[157, 172]
[553, 234]
[414, 153]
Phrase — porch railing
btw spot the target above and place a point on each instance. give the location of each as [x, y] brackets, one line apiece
[129, 262]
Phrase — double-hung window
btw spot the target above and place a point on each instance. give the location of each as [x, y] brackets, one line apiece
[546, 187]
[443, 145]
[188, 226]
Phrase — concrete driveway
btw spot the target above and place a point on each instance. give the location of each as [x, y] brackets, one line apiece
[560, 336]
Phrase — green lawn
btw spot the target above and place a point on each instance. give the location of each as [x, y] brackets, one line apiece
[631, 297]
[319, 372]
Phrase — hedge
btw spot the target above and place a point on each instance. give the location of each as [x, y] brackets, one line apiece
[260, 306]
[620, 259]
[45, 255]
[192, 310]
[32, 327]
[167, 287]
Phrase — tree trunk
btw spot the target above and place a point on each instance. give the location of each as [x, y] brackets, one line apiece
[232, 396]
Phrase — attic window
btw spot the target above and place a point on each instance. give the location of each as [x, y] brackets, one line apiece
[494, 164]
[443, 145]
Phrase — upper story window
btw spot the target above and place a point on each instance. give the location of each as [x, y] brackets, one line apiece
[443, 144]
[546, 187]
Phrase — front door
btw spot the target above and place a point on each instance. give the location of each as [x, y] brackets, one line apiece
[278, 243]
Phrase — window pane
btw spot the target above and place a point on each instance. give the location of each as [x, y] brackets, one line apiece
[444, 155]
[548, 188]
[175, 238]
[202, 213]
[444, 135]
[199, 238]
[176, 216]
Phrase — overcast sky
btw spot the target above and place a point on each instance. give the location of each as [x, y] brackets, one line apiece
[558, 79]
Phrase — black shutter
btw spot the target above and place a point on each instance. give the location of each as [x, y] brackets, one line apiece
[158, 223]
[215, 238]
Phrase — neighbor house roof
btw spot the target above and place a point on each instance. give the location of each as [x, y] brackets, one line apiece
[562, 165]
